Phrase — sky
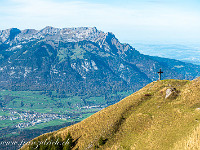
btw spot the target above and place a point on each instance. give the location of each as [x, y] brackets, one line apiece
[132, 21]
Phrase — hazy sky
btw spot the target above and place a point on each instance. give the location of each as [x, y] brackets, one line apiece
[161, 21]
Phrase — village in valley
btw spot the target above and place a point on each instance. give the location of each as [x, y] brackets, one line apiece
[29, 118]
[32, 118]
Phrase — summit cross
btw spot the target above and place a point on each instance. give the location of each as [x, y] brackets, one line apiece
[160, 72]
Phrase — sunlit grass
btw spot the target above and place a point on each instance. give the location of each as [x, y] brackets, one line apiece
[145, 120]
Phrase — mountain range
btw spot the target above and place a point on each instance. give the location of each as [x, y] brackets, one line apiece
[79, 61]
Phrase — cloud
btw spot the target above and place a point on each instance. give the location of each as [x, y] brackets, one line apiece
[134, 20]
[71, 13]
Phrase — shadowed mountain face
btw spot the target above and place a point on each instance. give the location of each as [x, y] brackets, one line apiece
[79, 61]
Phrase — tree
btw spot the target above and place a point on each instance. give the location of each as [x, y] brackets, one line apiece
[34, 146]
[102, 141]
[68, 143]
[22, 104]
[58, 145]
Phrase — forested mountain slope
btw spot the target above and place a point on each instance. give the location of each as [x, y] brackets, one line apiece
[79, 61]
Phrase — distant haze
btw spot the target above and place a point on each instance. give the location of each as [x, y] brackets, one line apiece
[150, 21]
[184, 53]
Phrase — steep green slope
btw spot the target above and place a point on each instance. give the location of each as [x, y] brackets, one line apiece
[157, 117]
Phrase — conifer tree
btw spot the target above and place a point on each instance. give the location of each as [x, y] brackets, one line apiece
[68, 143]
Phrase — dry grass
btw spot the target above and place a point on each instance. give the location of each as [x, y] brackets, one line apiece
[192, 142]
[144, 120]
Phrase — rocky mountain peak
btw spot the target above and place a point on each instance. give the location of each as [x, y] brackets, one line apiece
[67, 31]
[9, 34]
[52, 34]
[50, 30]
[29, 31]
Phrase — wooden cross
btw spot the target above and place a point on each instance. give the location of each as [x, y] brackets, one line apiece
[160, 72]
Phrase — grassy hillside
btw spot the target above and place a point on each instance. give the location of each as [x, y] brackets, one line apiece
[142, 121]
